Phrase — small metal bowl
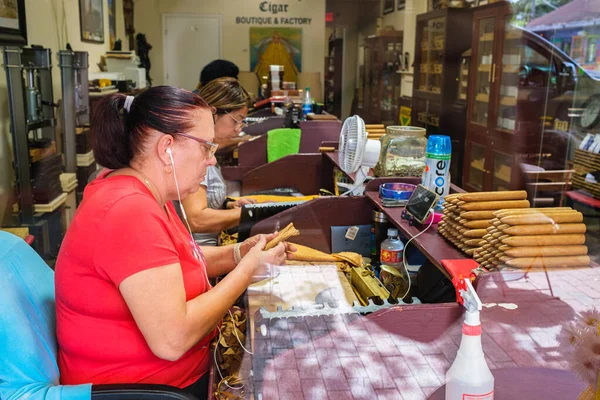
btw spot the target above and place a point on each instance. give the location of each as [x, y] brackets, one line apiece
[396, 191]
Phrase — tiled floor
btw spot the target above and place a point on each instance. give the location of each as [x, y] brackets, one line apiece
[404, 352]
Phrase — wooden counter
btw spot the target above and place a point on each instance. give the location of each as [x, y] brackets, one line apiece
[253, 153]
[431, 243]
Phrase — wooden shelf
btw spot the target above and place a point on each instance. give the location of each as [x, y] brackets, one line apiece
[482, 97]
[431, 244]
[477, 168]
[512, 35]
[508, 101]
[511, 68]
[502, 178]
[53, 205]
[512, 132]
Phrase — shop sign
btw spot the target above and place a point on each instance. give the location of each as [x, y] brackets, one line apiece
[276, 18]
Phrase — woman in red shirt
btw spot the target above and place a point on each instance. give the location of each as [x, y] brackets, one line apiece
[133, 299]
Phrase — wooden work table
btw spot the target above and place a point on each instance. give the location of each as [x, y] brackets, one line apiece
[404, 351]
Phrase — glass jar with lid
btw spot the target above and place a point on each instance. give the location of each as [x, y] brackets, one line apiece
[402, 152]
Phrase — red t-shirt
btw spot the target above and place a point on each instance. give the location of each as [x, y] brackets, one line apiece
[118, 230]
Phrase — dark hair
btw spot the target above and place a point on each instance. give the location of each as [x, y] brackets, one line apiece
[225, 94]
[118, 135]
[218, 69]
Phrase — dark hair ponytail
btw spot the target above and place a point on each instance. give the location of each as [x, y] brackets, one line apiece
[118, 135]
[111, 144]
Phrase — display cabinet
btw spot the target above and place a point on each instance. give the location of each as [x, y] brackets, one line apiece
[512, 97]
[380, 81]
[463, 77]
[442, 38]
[333, 77]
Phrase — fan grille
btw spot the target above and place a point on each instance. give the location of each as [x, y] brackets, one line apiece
[353, 138]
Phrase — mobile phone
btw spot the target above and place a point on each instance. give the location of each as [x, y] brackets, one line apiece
[420, 202]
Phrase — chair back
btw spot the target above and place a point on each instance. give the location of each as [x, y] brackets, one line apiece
[28, 347]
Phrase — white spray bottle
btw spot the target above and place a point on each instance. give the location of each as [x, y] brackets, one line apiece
[469, 377]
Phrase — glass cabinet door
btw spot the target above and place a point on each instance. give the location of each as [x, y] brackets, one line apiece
[432, 52]
[477, 171]
[463, 77]
[423, 68]
[509, 78]
[390, 93]
[502, 173]
[484, 62]
[375, 79]
[437, 28]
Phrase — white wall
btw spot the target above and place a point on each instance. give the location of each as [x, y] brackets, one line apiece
[42, 30]
[236, 41]
[349, 69]
[413, 8]
[395, 18]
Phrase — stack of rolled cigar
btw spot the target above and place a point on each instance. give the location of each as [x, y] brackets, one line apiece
[534, 238]
[467, 215]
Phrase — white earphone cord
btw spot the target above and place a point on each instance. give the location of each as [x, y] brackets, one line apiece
[404, 253]
[169, 151]
[215, 354]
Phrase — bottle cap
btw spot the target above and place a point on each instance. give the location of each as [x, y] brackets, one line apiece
[392, 232]
[308, 88]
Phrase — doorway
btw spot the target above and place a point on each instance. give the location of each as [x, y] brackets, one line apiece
[190, 42]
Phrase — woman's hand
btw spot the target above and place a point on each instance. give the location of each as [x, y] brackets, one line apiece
[252, 241]
[240, 202]
[258, 261]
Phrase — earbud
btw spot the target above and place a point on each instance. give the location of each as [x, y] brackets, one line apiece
[170, 153]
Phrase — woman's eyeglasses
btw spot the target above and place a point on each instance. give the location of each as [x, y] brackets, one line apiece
[242, 124]
[212, 147]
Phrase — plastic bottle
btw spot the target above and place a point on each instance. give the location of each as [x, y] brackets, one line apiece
[436, 175]
[392, 274]
[469, 377]
[307, 104]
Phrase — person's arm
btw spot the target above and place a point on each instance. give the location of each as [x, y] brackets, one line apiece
[220, 259]
[170, 324]
[204, 219]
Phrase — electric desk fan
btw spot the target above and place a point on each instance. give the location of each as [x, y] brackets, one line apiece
[357, 153]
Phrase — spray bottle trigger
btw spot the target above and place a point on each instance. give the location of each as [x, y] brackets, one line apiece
[471, 300]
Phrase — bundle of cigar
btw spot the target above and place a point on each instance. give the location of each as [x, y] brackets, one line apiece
[534, 238]
[467, 215]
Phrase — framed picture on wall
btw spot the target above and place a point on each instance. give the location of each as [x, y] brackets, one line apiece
[388, 6]
[91, 18]
[401, 4]
[112, 23]
[13, 27]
